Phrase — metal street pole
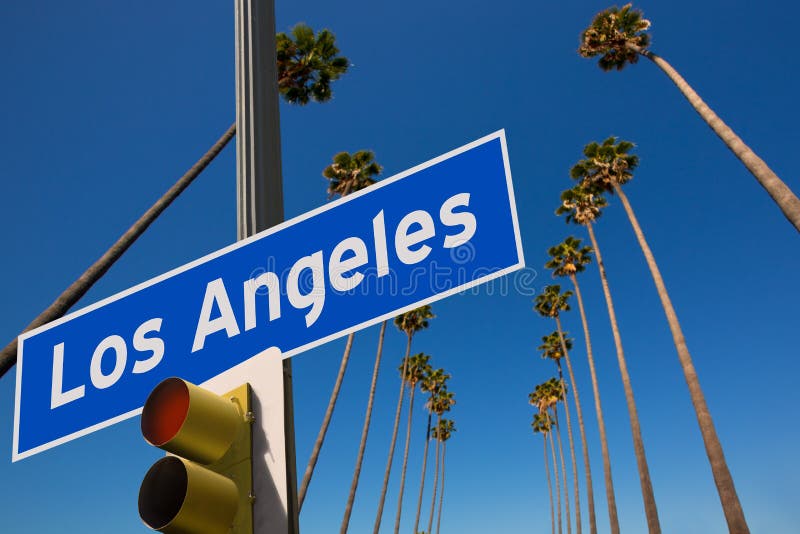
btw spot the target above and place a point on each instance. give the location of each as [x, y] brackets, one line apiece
[259, 188]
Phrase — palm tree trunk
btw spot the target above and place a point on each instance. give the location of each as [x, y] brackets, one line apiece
[435, 478]
[382, 499]
[784, 197]
[558, 482]
[549, 487]
[731, 506]
[78, 288]
[441, 493]
[601, 424]
[581, 429]
[650, 509]
[413, 389]
[422, 477]
[563, 470]
[326, 420]
[569, 435]
[364, 432]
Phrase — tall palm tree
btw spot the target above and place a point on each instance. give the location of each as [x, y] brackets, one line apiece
[443, 432]
[364, 432]
[554, 391]
[348, 173]
[608, 167]
[651, 510]
[544, 397]
[415, 370]
[78, 288]
[550, 303]
[541, 425]
[434, 383]
[443, 402]
[567, 259]
[618, 36]
[555, 347]
[409, 323]
[583, 207]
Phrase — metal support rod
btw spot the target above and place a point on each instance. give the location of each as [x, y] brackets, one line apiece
[259, 188]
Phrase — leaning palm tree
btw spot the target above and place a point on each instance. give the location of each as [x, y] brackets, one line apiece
[443, 432]
[567, 259]
[364, 432]
[556, 346]
[618, 36]
[607, 167]
[435, 384]
[443, 402]
[541, 425]
[286, 70]
[415, 370]
[409, 323]
[348, 173]
[651, 510]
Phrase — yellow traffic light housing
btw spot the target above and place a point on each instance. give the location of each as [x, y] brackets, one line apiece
[205, 485]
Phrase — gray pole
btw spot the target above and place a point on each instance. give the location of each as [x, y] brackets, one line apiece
[259, 188]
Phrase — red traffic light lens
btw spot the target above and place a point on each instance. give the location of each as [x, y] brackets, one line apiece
[165, 411]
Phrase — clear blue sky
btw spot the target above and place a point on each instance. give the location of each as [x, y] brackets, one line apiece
[104, 106]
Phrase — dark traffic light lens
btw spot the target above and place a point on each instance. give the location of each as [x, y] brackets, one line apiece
[163, 492]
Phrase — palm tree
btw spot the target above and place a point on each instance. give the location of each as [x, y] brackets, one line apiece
[567, 259]
[549, 304]
[409, 323]
[415, 370]
[555, 347]
[619, 37]
[543, 397]
[443, 432]
[443, 402]
[550, 393]
[364, 432]
[307, 64]
[541, 424]
[351, 172]
[347, 173]
[435, 383]
[648, 496]
[582, 206]
[607, 167]
[78, 288]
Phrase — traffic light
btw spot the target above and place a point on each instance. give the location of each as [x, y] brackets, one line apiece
[205, 484]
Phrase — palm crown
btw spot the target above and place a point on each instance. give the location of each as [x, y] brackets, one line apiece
[551, 301]
[547, 394]
[434, 382]
[444, 430]
[416, 369]
[414, 320]
[441, 402]
[606, 165]
[568, 257]
[615, 35]
[351, 172]
[581, 205]
[307, 64]
[541, 422]
[551, 346]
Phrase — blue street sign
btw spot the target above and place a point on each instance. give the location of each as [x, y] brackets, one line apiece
[429, 232]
